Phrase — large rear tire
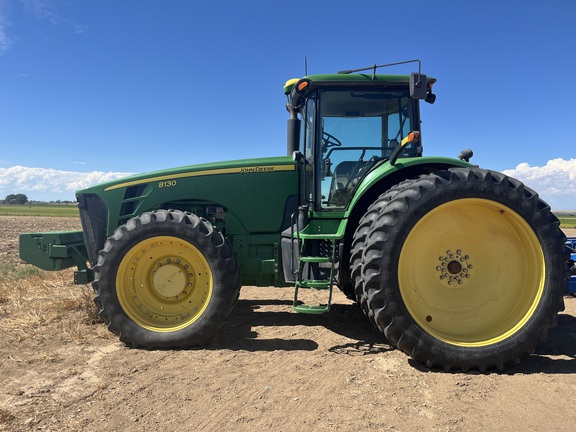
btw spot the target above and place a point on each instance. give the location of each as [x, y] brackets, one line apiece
[166, 279]
[359, 239]
[463, 269]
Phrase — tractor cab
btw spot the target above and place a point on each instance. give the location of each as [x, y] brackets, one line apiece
[342, 128]
[351, 124]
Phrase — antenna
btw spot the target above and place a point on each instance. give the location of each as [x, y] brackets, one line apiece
[305, 66]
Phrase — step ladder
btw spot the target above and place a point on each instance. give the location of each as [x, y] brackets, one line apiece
[316, 284]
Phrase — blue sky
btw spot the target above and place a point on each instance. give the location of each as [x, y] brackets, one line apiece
[94, 89]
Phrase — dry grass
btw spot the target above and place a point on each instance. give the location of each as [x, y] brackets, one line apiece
[32, 300]
[6, 416]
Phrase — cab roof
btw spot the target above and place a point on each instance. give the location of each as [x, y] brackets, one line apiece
[351, 79]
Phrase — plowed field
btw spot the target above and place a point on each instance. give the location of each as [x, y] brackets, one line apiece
[269, 369]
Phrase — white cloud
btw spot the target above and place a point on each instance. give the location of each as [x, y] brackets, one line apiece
[44, 184]
[5, 40]
[41, 10]
[555, 182]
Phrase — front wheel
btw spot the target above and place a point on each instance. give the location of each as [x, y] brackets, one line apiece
[166, 279]
[463, 269]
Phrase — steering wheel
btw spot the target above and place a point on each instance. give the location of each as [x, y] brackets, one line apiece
[329, 141]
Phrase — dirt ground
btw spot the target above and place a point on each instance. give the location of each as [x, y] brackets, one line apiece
[269, 369]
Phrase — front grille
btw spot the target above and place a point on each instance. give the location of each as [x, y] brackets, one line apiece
[93, 215]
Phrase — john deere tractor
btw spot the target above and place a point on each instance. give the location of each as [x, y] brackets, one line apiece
[458, 266]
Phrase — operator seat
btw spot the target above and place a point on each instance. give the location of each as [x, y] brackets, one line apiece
[341, 177]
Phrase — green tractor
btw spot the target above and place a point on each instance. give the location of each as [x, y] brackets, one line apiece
[459, 267]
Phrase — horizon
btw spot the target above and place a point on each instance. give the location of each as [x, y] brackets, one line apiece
[62, 185]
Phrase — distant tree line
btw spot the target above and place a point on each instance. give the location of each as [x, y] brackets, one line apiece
[16, 199]
[22, 199]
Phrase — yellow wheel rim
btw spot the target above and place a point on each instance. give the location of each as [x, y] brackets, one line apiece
[471, 272]
[164, 283]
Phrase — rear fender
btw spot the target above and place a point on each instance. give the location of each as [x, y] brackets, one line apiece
[385, 176]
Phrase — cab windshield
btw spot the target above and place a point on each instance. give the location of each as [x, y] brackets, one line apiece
[357, 129]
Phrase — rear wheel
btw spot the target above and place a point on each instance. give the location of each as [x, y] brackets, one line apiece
[463, 269]
[166, 279]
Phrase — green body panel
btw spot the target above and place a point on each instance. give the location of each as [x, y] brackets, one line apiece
[325, 225]
[245, 188]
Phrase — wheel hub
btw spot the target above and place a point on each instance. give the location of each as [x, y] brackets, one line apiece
[169, 280]
[455, 268]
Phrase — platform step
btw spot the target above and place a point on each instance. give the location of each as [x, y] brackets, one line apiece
[315, 259]
[311, 309]
[306, 236]
[314, 284]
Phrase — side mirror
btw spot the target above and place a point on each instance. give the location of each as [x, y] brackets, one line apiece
[418, 86]
[430, 98]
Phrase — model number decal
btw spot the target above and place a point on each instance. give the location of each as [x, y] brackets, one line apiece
[166, 184]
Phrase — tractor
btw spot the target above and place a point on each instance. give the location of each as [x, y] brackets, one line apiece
[571, 246]
[460, 267]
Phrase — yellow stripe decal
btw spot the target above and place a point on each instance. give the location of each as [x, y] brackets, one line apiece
[239, 170]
